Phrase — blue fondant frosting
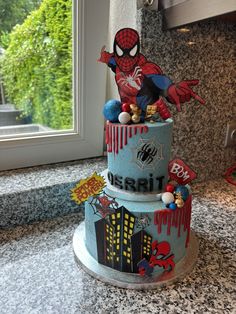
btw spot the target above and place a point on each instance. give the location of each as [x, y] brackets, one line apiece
[115, 238]
[138, 155]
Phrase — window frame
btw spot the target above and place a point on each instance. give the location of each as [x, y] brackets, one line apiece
[89, 92]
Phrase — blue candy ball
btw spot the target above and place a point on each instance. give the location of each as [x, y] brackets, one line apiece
[183, 190]
[111, 110]
[172, 206]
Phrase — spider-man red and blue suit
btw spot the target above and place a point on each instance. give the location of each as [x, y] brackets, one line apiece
[141, 82]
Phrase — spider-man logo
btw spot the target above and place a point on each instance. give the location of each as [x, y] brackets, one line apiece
[140, 81]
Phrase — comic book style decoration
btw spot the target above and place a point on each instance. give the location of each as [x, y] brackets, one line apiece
[147, 153]
[88, 187]
[180, 172]
[141, 83]
[103, 204]
[161, 256]
[175, 218]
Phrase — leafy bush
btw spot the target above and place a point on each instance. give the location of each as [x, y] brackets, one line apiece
[37, 65]
[4, 40]
[14, 12]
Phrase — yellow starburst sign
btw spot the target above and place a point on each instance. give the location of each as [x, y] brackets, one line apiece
[87, 187]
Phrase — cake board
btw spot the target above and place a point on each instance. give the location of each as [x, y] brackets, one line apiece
[129, 280]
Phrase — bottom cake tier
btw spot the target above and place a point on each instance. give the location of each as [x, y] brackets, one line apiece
[136, 233]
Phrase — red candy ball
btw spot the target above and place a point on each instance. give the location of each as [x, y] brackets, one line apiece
[125, 107]
[170, 188]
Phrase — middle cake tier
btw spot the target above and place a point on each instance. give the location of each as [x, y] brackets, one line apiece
[138, 155]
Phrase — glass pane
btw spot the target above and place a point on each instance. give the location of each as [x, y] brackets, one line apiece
[35, 67]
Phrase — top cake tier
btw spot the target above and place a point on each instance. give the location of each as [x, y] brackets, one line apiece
[138, 155]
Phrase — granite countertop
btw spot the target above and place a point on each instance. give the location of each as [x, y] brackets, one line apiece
[38, 273]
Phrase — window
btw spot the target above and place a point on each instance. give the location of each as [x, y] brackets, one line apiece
[82, 134]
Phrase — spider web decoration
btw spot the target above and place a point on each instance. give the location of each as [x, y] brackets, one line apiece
[103, 205]
[147, 153]
[143, 221]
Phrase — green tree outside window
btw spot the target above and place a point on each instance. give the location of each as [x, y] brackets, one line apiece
[37, 64]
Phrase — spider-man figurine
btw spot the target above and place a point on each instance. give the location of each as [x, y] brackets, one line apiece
[140, 81]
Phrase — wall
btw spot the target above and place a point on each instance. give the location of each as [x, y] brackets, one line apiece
[199, 131]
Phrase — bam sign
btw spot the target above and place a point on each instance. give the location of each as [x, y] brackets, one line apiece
[180, 172]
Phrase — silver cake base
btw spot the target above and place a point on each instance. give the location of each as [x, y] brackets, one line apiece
[127, 280]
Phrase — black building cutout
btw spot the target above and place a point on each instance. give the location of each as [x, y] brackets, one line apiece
[105, 238]
[117, 245]
[113, 235]
[141, 248]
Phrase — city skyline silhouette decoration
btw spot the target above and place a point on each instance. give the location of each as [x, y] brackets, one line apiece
[117, 245]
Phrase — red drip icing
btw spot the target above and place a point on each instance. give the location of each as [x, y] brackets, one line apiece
[130, 132]
[125, 135]
[175, 218]
[179, 222]
[116, 140]
[183, 219]
[165, 218]
[113, 140]
[117, 135]
[176, 215]
[109, 139]
[121, 138]
[169, 225]
[107, 134]
[145, 128]
[188, 206]
[159, 223]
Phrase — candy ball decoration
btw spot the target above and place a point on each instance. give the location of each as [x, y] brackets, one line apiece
[124, 117]
[126, 107]
[183, 190]
[135, 118]
[167, 198]
[172, 206]
[170, 188]
[111, 110]
[179, 201]
[136, 113]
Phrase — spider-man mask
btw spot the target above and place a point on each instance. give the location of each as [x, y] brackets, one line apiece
[126, 49]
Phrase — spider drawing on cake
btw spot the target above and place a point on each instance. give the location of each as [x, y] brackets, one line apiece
[147, 153]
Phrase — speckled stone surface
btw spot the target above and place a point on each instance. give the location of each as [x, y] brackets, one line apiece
[38, 273]
[207, 53]
[39, 193]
